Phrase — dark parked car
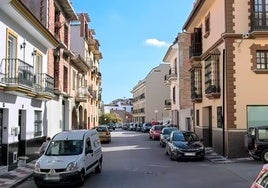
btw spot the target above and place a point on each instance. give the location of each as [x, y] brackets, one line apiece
[146, 127]
[111, 126]
[184, 145]
[256, 142]
[165, 134]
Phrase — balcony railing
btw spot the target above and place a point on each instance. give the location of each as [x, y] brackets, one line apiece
[18, 72]
[43, 83]
[195, 49]
[167, 104]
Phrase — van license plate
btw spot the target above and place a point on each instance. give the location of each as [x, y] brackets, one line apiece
[52, 177]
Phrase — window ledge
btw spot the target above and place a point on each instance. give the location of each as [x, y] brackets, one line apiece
[261, 71]
[213, 95]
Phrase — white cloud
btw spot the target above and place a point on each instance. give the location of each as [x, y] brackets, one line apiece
[157, 43]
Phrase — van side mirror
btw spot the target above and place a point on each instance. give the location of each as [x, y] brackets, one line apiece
[89, 151]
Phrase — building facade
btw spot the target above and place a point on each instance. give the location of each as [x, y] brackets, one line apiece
[149, 96]
[86, 80]
[228, 71]
[178, 80]
[26, 86]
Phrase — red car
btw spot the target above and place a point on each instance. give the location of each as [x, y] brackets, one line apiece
[261, 181]
[155, 132]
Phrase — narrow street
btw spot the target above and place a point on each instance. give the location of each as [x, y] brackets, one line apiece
[133, 160]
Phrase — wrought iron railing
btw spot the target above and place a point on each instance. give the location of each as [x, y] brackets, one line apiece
[16, 71]
[43, 83]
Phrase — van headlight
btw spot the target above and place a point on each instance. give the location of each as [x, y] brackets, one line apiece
[37, 167]
[71, 166]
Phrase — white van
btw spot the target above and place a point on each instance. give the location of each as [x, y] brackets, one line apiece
[69, 156]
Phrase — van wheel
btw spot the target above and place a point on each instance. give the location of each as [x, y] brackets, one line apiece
[264, 156]
[98, 169]
[81, 178]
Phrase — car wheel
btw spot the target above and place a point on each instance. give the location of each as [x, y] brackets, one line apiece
[98, 169]
[166, 150]
[81, 178]
[171, 156]
[264, 156]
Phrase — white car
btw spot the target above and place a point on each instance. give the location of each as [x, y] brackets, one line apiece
[69, 157]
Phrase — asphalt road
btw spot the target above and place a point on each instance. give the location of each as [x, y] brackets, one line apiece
[132, 160]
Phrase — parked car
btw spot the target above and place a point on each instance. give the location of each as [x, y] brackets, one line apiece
[165, 133]
[104, 133]
[146, 127]
[111, 126]
[256, 142]
[154, 132]
[125, 126]
[184, 145]
[69, 157]
[139, 126]
[261, 180]
[131, 127]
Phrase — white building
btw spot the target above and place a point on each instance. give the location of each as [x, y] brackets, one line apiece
[25, 86]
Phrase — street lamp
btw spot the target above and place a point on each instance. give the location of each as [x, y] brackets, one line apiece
[156, 111]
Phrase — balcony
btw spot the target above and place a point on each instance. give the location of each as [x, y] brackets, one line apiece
[166, 80]
[43, 86]
[82, 94]
[91, 44]
[167, 104]
[16, 76]
[213, 92]
[196, 97]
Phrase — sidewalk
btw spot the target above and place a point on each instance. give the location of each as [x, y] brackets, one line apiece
[14, 177]
[216, 158]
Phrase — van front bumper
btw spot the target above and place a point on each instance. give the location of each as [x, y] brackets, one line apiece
[67, 178]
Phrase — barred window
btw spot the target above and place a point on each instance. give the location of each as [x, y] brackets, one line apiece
[38, 123]
[262, 59]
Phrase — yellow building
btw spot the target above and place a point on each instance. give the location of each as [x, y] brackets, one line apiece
[229, 66]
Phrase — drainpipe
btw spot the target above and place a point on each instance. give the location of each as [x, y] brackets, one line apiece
[223, 102]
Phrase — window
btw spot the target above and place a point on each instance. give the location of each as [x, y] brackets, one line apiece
[208, 73]
[260, 14]
[219, 117]
[65, 79]
[37, 123]
[262, 59]
[197, 118]
[207, 25]
[196, 83]
[38, 64]
[174, 95]
[212, 74]
[74, 78]
[11, 54]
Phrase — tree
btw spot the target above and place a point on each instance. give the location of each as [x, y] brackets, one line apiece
[109, 118]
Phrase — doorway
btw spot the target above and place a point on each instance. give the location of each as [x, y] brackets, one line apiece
[22, 133]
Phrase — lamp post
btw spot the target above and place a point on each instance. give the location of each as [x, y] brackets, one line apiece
[156, 111]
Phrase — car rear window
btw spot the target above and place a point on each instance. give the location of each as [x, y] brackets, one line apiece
[102, 129]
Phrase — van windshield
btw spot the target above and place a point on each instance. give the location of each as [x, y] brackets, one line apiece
[64, 147]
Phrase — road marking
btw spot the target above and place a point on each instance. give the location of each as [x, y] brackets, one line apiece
[161, 166]
[123, 148]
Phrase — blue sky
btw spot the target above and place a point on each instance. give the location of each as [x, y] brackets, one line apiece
[134, 37]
